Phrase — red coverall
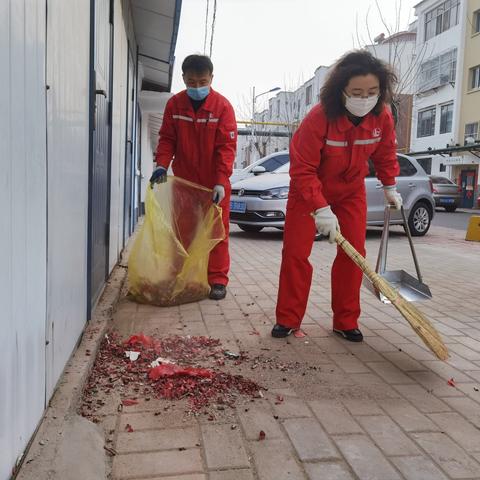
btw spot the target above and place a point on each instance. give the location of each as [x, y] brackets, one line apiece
[203, 146]
[328, 165]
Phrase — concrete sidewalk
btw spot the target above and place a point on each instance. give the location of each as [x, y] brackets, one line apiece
[379, 410]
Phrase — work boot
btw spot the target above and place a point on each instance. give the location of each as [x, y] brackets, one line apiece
[218, 292]
[354, 335]
[279, 331]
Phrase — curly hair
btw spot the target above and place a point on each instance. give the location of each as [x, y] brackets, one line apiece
[352, 64]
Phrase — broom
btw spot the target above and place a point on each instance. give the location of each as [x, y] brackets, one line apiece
[420, 324]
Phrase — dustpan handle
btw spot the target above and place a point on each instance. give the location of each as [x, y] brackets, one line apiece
[410, 241]
[382, 252]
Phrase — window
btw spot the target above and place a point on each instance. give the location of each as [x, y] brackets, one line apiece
[476, 21]
[426, 164]
[438, 71]
[475, 77]
[308, 95]
[407, 169]
[441, 18]
[471, 131]
[275, 162]
[446, 117]
[426, 123]
[443, 168]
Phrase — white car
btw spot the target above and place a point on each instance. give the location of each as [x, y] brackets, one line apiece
[267, 164]
[261, 201]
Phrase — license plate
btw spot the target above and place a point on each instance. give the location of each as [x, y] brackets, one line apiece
[238, 207]
[447, 200]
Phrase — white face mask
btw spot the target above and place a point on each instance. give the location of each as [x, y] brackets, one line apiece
[360, 106]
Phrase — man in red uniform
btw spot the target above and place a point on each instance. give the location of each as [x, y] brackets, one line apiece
[329, 156]
[199, 132]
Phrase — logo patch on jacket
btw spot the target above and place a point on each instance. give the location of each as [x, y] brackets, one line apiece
[232, 135]
[376, 132]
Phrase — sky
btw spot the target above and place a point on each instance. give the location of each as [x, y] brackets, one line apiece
[279, 43]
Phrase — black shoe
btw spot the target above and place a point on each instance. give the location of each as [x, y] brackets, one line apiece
[278, 331]
[218, 292]
[354, 335]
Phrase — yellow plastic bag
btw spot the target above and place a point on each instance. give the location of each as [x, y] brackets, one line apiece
[168, 264]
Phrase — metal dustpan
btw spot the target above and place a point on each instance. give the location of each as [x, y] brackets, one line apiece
[411, 288]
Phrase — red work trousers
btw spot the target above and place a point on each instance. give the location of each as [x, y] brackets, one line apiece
[219, 262]
[348, 202]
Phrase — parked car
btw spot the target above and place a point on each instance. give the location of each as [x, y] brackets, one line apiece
[261, 201]
[267, 164]
[446, 193]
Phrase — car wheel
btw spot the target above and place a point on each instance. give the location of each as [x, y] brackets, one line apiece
[250, 228]
[450, 209]
[419, 219]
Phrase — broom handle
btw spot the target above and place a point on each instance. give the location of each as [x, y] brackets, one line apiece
[356, 257]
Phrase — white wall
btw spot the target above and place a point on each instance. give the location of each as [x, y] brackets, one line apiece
[119, 112]
[23, 185]
[68, 68]
[433, 47]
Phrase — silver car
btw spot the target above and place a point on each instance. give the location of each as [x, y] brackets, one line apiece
[446, 193]
[261, 201]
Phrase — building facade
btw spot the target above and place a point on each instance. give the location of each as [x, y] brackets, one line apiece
[72, 178]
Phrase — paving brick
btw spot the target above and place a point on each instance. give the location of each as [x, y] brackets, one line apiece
[330, 345]
[151, 440]
[388, 436]
[404, 362]
[328, 471]
[150, 421]
[224, 447]
[291, 407]
[435, 385]
[334, 417]
[446, 371]
[364, 352]
[275, 460]
[360, 406]
[194, 476]
[464, 351]
[451, 458]
[380, 344]
[231, 475]
[416, 352]
[418, 468]
[172, 462]
[407, 416]
[422, 399]
[260, 418]
[349, 363]
[365, 458]
[462, 431]
[310, 440]
[390, 373]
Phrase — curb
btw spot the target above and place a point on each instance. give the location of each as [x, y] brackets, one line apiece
[41, 454]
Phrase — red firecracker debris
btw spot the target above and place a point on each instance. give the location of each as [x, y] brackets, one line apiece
[261, 435]
[185, 367]
[254, 332]
[169, 370]
[128, 428]
[279, 400]
[451, 382]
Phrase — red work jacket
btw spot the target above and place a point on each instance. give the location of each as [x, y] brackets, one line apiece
[202, 144]
[329, 156]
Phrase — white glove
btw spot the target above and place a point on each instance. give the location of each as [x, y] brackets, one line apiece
[326, 223]
[218, 193]
[392, 197]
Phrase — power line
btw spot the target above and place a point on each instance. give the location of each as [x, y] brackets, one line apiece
[206, 29]
[213, 26]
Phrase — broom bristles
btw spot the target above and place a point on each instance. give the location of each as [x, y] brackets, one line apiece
[420, 324]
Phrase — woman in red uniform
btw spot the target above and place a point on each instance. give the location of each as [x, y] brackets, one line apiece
[328, 163]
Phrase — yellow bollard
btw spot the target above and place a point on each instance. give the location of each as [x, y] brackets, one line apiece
[473, 231]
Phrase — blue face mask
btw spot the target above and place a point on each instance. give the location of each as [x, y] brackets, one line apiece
[198, 93]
